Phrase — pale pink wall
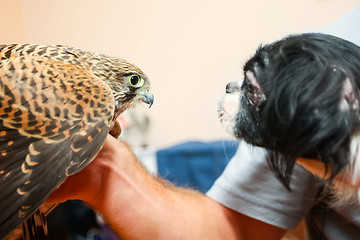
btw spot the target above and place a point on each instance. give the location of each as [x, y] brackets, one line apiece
[190, 48]
[11, 21]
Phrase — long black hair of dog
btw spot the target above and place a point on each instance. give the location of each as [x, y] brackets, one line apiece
[306, 111]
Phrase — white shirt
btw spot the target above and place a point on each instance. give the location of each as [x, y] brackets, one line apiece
[248, 186]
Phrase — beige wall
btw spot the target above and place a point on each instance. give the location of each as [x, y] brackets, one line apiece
[11, 21]
[189, 48]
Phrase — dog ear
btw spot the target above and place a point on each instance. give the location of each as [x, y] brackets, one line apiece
[257, 95]
[349, 99]
[354, 161]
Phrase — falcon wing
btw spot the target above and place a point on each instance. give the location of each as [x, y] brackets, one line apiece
[54, 119]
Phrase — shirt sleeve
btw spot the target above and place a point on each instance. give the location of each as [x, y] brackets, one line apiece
[248, 186]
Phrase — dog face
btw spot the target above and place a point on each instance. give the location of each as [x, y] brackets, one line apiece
[299, 98]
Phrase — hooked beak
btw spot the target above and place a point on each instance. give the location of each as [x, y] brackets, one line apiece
[147, 97]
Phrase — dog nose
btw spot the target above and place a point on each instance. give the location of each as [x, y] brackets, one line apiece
[232, 87]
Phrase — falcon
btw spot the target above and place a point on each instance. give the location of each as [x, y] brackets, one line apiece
[57, 105]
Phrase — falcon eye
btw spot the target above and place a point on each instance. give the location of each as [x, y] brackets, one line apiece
[136, 81]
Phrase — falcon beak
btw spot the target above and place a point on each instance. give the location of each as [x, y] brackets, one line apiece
[147, 97]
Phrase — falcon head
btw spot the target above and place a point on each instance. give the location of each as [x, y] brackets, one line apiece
[129, 84]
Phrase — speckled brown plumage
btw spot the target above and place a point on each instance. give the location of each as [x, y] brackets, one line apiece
[57, 105]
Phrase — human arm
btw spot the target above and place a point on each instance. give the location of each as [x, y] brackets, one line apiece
[137, 204]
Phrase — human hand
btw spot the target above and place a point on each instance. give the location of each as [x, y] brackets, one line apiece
[88, 184]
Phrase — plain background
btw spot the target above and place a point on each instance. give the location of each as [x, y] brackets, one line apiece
[190, 49]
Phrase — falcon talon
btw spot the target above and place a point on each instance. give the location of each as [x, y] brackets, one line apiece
[115, 129]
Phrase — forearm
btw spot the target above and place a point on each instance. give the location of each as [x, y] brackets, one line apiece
[136, 204]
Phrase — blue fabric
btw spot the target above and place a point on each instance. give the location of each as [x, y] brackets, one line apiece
[195, 164]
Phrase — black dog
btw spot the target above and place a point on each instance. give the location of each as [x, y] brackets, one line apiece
[300, 98]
